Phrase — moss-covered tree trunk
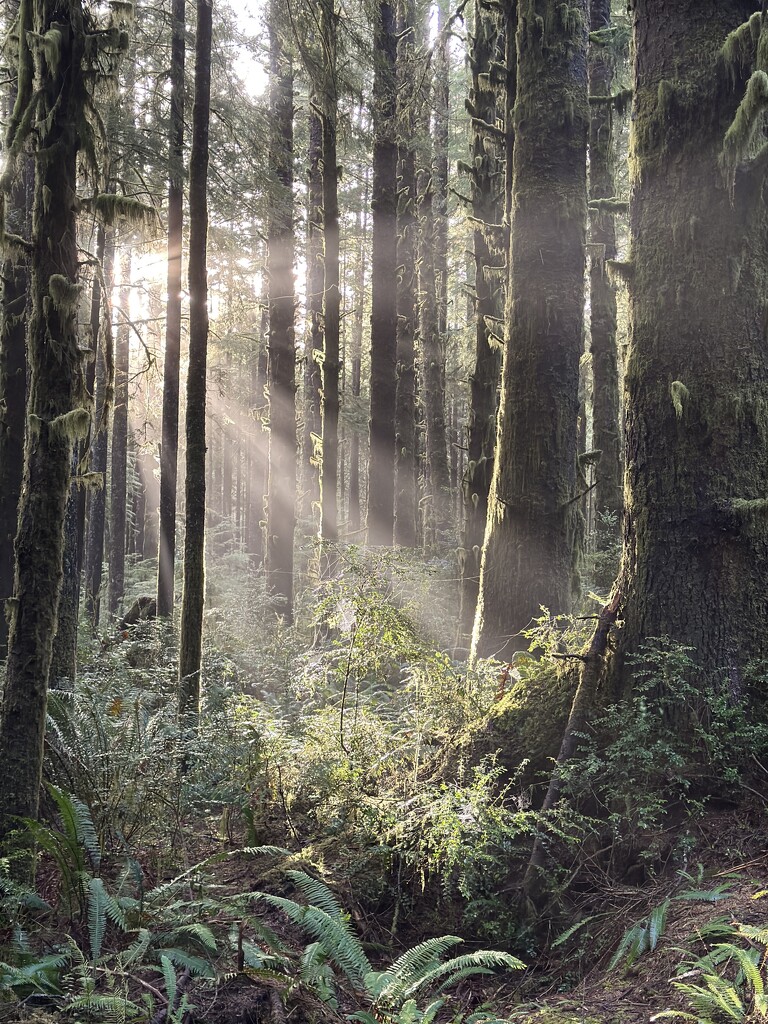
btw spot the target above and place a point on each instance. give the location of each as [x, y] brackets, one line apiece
[406, 497]
[13, 378]
[193, 594]
[281, 493]
[533, 518]
[55, 413]
[696, 535]
[170, 424]
[486, 170]
[329, 466]
[381, 464]
[606, 435]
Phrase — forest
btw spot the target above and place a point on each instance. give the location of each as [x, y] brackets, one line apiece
[383, 511]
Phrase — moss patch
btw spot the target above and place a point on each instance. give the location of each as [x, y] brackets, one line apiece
[528, 723]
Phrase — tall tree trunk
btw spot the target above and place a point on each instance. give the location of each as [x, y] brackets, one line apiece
[55, 413]
[606, 437]
[170, 429]
[406, 499]
[118, 493]
[281, 495]
[381, 463]
[314, 342]
[329, 466]
[13, 379]
[695, 534]
[487, 101]
[101, 307]
[533, 518]
[437, 482]
[356, 359]
[193, 595]
[259, 444]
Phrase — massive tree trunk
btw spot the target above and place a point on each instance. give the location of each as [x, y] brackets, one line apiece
[170, 430]
[695, 538]
[193, 595]
[406, 497]
[329, 466]
[487, 176]
[606, 436]
[281, 496]
[55, 414]
[533, 518]
[381, 473]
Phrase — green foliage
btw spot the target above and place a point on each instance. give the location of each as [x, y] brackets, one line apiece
[726, 984]
[392, 993]
[668, 742]
[642, 937]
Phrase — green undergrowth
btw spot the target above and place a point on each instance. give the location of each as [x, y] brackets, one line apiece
[354, 749]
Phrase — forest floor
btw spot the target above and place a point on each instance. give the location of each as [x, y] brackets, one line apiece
[602, 975]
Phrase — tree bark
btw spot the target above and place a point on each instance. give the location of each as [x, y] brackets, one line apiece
[406, 470]
[331, 369]
[13, 381]
[281, 493]
[487, 100]
[55, 415]
[356, 359]
[606, 436]
[533, 518]
[170, 428]
[695, 539]
[381, 473]
[314, 342]
[118, 492]
[193, 595]
[101, 307]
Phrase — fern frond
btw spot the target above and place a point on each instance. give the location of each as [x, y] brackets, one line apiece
[317, 893]
[481, 960]
[195, 964]
[756, 934]
[169, 977]
[97, 915]
[137, 949]
[200, 932]
[411, 966]
[656, 924]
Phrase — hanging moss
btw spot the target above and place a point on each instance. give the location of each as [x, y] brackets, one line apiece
[65, 295]
[680, 395]
[111, 208]
[738, 51]
[740, 137]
